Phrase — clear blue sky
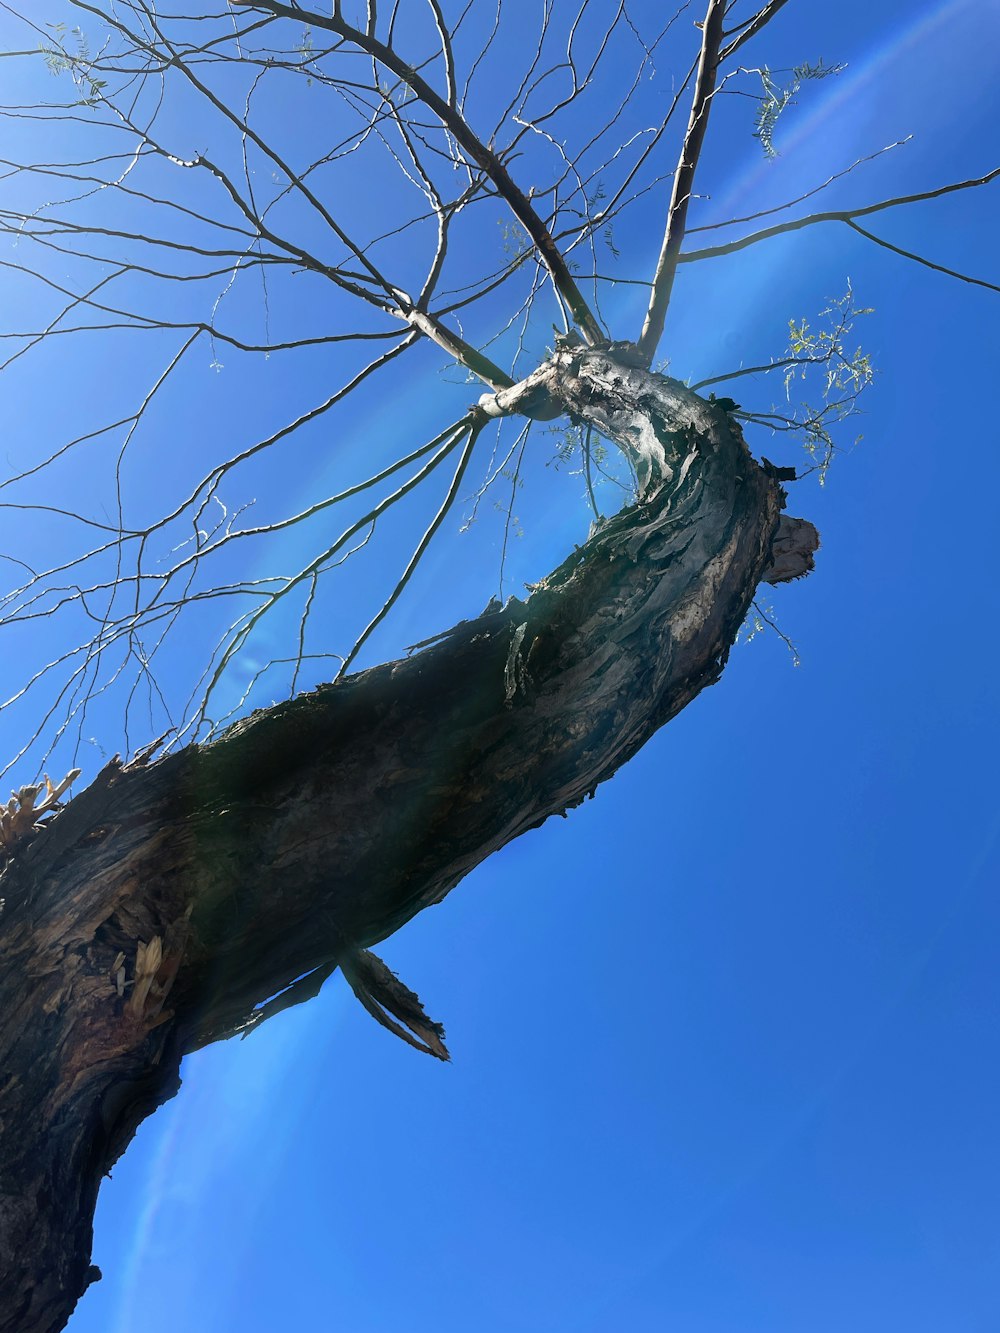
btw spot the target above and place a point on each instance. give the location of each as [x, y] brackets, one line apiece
[725, 1041]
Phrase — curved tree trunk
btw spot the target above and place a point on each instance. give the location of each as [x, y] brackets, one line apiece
[174, 903]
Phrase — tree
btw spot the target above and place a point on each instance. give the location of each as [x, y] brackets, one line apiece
[233, 841]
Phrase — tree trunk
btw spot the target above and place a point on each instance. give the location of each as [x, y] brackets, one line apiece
[176, 902]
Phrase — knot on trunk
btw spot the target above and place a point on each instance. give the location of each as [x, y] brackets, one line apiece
[535, 396]
[792, 550]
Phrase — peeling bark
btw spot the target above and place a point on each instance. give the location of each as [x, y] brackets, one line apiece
[177, 902]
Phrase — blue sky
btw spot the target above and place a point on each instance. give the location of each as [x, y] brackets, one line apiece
[725, 1040]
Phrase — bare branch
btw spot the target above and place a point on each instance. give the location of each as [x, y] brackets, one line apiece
[781, 364]
[919, 259]
[473, 429]
[462, 351]
[837, 215]
[484, 157]
[673, 236]
[780, 208]
[751, 28]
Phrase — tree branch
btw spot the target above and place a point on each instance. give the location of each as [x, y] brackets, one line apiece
[680, 198]
[485, 158]
[836, 215]
[463, 352]
[751, 28]
[919, 259]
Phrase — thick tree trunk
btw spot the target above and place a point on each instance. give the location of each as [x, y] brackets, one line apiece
[170, 901]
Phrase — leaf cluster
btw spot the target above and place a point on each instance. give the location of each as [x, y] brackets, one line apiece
[70, 54]
[777, 96]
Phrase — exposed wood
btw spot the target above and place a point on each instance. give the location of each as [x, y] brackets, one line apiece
[795, 543]
[226, 876]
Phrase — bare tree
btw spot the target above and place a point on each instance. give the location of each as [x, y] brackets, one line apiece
[316, 186]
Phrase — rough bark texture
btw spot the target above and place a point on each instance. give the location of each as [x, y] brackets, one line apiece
[171, 900]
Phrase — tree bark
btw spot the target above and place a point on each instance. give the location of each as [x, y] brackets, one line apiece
[176, 902]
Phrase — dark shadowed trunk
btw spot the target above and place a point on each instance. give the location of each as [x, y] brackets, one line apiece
[171, 900]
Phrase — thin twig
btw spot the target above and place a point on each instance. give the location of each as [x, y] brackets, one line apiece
[772, 624]
[449, 499]
[919, 259]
